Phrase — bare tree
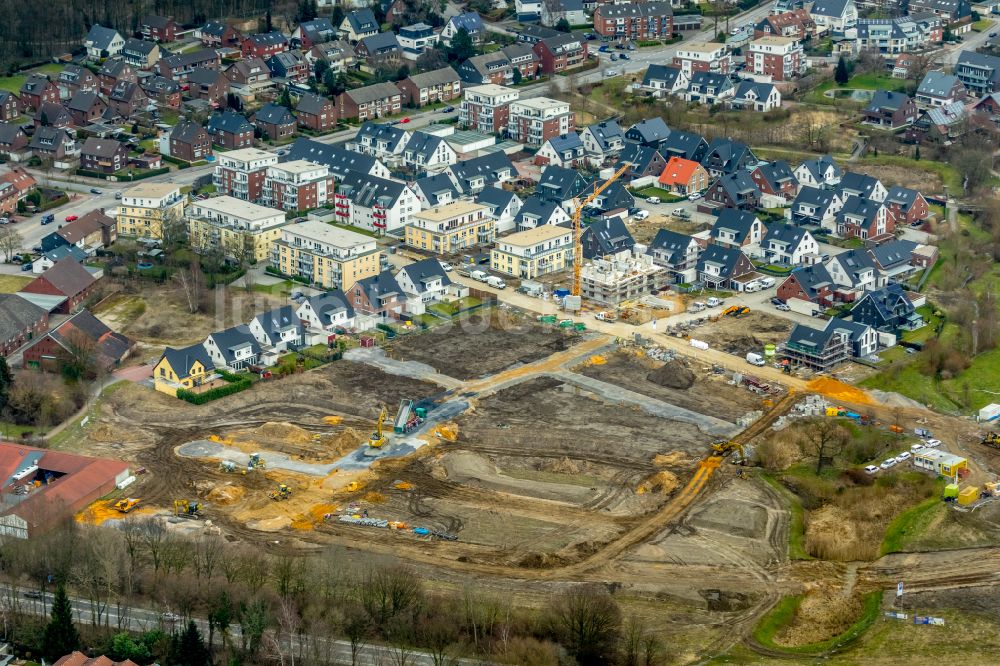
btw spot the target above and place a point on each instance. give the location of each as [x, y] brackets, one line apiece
[387, 591]
[10, 242]
[586, 619]
[824, 439]
[190, 281]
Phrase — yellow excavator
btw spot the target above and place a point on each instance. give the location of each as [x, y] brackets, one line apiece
[282, 492]
[725, 447]
[377, 438]
[186, 509]
[127, 504]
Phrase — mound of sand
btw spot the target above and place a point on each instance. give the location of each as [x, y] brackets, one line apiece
[283, 432]
[226, 494]
[109, 433]
[661, 482]
[673, 374]
[344, 441]
[671, 459]
[839, 391]
[561, 466]
[275, 524]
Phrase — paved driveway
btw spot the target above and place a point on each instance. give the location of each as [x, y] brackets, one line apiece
[137, 373]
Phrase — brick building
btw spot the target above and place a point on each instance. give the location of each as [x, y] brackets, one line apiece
[486, 108]
[534, 121]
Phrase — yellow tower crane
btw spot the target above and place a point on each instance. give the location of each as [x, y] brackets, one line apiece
[578, 227]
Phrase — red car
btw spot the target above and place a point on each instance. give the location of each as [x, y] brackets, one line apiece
[405, 120]
[72, 218]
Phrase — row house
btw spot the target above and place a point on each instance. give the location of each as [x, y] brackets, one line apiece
[178, 67]
[341, 161]
[316, 112]
[635, 20]
[241, 173]
[217, 34]
[264, 45]
[703, 57]
[140, 53]
[53, 115]
[158, 28]
[427, 152]
[523, 60]
[113, 71]
[904, 34]
[435, 190]
[297, 185]
[381, 140]
[473, 176]
[291, 66]
[534, 121]
[781, 58]
[560, 53]
[376, 204]
[724, 156]
[372, 101]
[440, 85]
[486, 108]
[252, 73]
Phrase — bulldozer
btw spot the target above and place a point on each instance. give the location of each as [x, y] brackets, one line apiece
[725, 447]
[282, 492]
[992, 439]
[377, 438]
[255, 462]
[127, 504]
[186, 509]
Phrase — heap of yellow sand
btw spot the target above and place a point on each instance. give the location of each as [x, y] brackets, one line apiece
[283, 432]
[839, 391]
[315, 515]
[333, 420]
[102, 511]
[446, 431]
[227, 494]
[662, 482]
[671, 459]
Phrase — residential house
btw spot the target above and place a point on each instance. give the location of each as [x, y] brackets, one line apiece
[13, 142]
[614, 201]
[954, 13]
[415, 39]
[234, 348]
[643, 161]
[734, 190]
[251, 72]
[263, 45]
[239, 229]
[698, 56]
[184, 368]
[978, 72]
[89, 233]
[776, 179]
[140, 53]
[726, 157]
[536, 120]
[532, 253]
[687, 145]
[146, 206]
[819, 172]
[887, 309]
[755, 96]
[486, 108]
[48, 259]
[126, 99]
[861, 185]
[566, 150]
[338, 159]
[68, 280]
[676, 252]
[328, 257]
[38, 89]
[987, 108]
[381, 50]
[809, 283]
[682, 176]
[572, 11]
[708, 88]
[10, 106]
[906, 206]
[939, 123]
[739, 228]
[310, 33]
[164, 92]
[378, 296]
[428, 152]
[275, 122]
[50, 351]
[373, 203]
[560, 53]
[423, 282]
[440, 85]
[565, 186]
[890, 110]
[488, 68]
[328, 311]
[528, 10]
[490, 170]
[216, 34]
[723, 268]
[940, 89]
[795, 23]
[316, 112]
[451, 228]
[179, 66]
[524, 62]
[902, 35]
[103, 155]
[635, 21]
[102, 42]
[15, 186]
[663, 80]
[74, 78]
[158, 28]
[210, 85]
[372, 101]
[338, 55]
[53, 144]
[437, 190]
[359, 24]
[290, 66]
[189, 141]
[20, 321]
[855, 270]
[470, 22]
[789, 245]
[813, 206]
[823, 349]
[230, 130]
[502, 205]
[606, 237]
[532, 33]
[86, 108]
[52, 115]
[895, 258]
[780, 58]
[834, 16]
[539, 212]
[279, 329]
[381, 140]
[603, 140]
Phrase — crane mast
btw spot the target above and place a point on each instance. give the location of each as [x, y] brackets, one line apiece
[578, 228]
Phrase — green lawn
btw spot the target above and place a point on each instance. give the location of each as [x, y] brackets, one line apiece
[858, 82]
[796, 523]
[277, 289]
[982, 25]
[666, 196]
[14, 83]
[909, 524]
[909, 381]
[11, 283]
[359, 230]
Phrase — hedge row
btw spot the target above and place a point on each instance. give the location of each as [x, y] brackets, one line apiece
[236, 385]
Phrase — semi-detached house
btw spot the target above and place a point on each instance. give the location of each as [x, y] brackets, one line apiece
[440, 85]
[373, 101]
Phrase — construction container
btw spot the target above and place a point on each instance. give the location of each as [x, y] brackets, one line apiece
[950, 491]
[769, 350]
[366, 341]
[989, 412]
[968, 495]
[699, 344]
[832, 411]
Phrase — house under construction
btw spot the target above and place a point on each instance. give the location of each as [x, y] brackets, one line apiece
[625, 276]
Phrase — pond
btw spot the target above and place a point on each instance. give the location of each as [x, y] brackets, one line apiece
[144, 265]
[853, 94]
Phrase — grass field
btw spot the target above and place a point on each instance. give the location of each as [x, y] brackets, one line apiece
[14, 83]
[666, 196]
[784, 613]
[908, 524]
[857, 82]
[11, 283]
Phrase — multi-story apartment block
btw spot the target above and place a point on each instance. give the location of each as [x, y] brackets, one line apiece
[529, 254]
[297, 185]
[486, 108]
[241, 173]
[535, 121]
[903, 34]
[241, 230]
[635, 20]
[373, 101]
[781, 58]
[415, 39]
[377, 204]
[145, 207]
[980, 73]
[327, 256]
[703, 57]
[441, 85]
[450, 228]
[561, 52]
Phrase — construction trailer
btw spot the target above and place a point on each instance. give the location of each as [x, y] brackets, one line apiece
[941, 462]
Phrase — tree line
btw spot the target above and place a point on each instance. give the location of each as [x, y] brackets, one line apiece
[282, 608]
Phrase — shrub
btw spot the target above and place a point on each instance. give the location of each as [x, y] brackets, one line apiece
[236, 384]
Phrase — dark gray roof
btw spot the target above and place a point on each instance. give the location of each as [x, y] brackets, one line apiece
[887, 99]
[608, 236]
[229, 121]
[338, 159]
[272, 38]
[421, 146]
[138, 46]
[666, 73]
[833, 8]
[182, 359]
[101, 37]
[425, 270]
[362, 20]
[761, 90]
[605, 132]
[114, 68]
[16, 314]
[496, 198]
[63, 251]
[903, 196]
[203, 76]
[806, 336]
[469, 20]
[383, 42]
[649, 132]
[190, 58]
[9, 132]
[813, 197]
[776, 173]
[101, 147]
[937, 84]
[669, 244]
[539, 210]
[83, 101]
[277, 320]
[688, 145]
[636, 10]
[437, 77]
[124, 91]
[312, 103]
[377, 286]
[894, 253]
[372, 92]
[318, 30]
[50, 113]
[855, 261]
[861, 207]
[786, 233]
[391, 134]
[329, 303]
[560, 184]
[726, 257]
[727, 155]
[638, 155]
[812, 278]
[488, 166]
[739, 222]
[821, 164]
[704, 81]
[737, 183]
[236, 337]
[273, 114]
[159, 84]
[433, 187]
[186, 131]
[366, 190]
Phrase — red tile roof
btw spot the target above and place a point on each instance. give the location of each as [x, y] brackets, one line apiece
[678, 171]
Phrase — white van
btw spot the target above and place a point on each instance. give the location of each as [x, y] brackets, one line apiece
[751, 287]
[496, 282]
[479, 276]
[641, 215]
[755, 359]
[713, 301]
[767, 282]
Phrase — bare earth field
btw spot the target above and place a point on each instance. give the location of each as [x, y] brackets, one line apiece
[750, 332]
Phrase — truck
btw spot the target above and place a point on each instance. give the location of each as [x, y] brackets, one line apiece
[755, 359]
[496, 282]
[605, 316]
[479, 276]
[697, 306]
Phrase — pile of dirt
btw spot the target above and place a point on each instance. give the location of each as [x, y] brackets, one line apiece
[275, 524]
[278, 431]
[672, 459]
[373, 497]
[227, 494]
[108, 433]
[673, 374]
[561, 466]
[344, 441]
[839, 391]
[659, 482]
[822, 614]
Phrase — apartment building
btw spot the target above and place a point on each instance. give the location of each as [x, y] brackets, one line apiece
[372, 101]
[373, 203]
[781, 58]
[902, 34]
[450, 228]
[978, 72]
[560, 52]
[241, 173]
[144, 208]
[535, 252]
[535, 121]
[297, 185]
[635, 20]
[703, 57]
[486, 108]
[441, 85]
[327, 256]
[243, 231]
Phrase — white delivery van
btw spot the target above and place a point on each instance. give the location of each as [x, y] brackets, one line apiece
[496, 282]
[755, 359]
[767, 282]
[713, 301]
[479, 276]
[697, 306]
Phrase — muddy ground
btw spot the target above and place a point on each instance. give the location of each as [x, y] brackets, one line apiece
[748, 333]
[482, 345]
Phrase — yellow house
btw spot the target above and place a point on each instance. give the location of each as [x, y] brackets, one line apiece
[183, 368]
[242, 230]
[144, 208]
[326, 255]
[535, 252]
[450, 227]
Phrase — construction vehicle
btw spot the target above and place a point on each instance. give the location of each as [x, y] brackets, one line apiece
[227, 466]
[255, 462]
[992, 439]
[605, 316]
[377, 438]
[127, 504]
[282, 492]
[186, 509]
[578, 226]
[731, 310]
[725, 447]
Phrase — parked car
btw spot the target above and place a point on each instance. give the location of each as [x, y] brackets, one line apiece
[624, 56]
[783, 307]
[888, 464]
[32, 594]
[871, 469]
[776, 301]
[932, 443]
[118, 196]
[620, 47]
[610, 73]
[447, 267]
[916, 448]
[49, 219]
[641, 215]
[694, 196]
[630, 46]
[614, 57]
[72, 218]
[904, 456]
[170, 617]
[604, 49]
[94, 190]
[447, 109]
[653, 200]
[767, 282]
[405, 120]
[27, 267]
